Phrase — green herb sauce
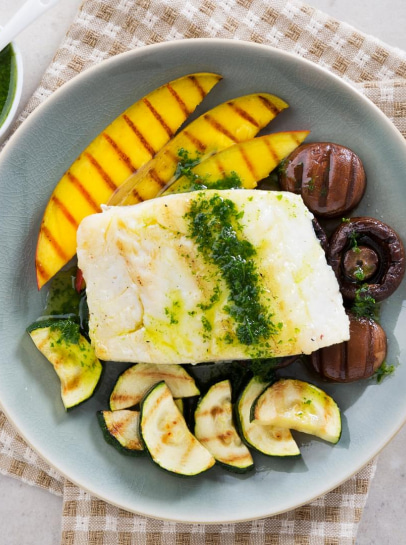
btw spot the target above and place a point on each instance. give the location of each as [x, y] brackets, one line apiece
[196, 182]
[364, 304]
[8, 77]
[214, 225]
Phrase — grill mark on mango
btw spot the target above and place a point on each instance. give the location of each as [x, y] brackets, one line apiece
[198, 144]
[147, 145]
[102, 173]
[123, 156]
[83, 191]
[179, 100]
[272, 151]
[196, 83]
[58, 249]
[270, 105]
[243, 113]
[248, 162]
[158, 117]
[65, 211]
[219, 127]
[156, 177]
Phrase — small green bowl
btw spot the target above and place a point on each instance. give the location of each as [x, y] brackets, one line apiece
[9, 110]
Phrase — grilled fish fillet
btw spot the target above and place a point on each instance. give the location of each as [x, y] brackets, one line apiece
[161, 291]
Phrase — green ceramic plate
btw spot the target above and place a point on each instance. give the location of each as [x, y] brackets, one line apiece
[33, 162]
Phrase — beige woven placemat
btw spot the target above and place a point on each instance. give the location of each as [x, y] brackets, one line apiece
[106, 27]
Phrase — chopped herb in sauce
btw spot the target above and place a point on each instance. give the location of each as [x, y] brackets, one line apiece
[383, 371]
[214, 225]
[69, 331]
[196, 182]
[364, 304]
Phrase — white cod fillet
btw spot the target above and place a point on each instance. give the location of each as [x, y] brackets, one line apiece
[154, 296]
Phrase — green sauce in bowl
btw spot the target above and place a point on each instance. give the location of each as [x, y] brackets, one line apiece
[8, 79]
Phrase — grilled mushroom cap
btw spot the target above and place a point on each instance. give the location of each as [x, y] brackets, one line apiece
[330, 178]
[355, 359]
[366, 251]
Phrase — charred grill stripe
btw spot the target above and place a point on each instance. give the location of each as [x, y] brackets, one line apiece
[74, 181]
[243, 113]
[65, 212]
[157, 404]
[196, 82]
[179, 100]
[352, 176]
[136, 195]
[158, 117]
[220, 167]
[268, 104]
[175, 158]
[58, 249]
[219, 127]
[190, 447]
[272, 151]
[297, 140]
[102, 173]
[325, 183]
[123, 156]
[155, 176]
[248, 162]
[198, 144]
[41, 271]
[140, 136]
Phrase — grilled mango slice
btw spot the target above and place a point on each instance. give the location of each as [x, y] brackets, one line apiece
[229, 123]
[251, 161]
[121, 149]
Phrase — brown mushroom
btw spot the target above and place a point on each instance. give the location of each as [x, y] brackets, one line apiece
[365, 251]
[330, 178]
[320, 234]
[355, 359]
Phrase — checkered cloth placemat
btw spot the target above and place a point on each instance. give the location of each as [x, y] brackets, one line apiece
[104, 28]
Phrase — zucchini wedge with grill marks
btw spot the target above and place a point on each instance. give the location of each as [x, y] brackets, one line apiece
[121, 430]
[134, 383]
[72, 357]
[269, 440]
[167, 438]
[299, 406]
[214, 428]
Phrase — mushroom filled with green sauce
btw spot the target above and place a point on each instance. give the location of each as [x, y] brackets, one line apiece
[365, 251]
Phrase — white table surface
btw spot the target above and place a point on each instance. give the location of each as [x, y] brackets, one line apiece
[29, 515]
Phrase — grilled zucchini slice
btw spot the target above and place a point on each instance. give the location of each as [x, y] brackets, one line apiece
[298, 405]
[167, 438]
[71, 355]
[121, 430]
[132, 385]
[269, 440]
[214, 428]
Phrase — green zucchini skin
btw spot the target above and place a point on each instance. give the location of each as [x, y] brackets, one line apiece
[72, 357]
[136, 381]
[120, 441]
[274, 442]
[215, 429]
[184, 456]
[300, 406]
